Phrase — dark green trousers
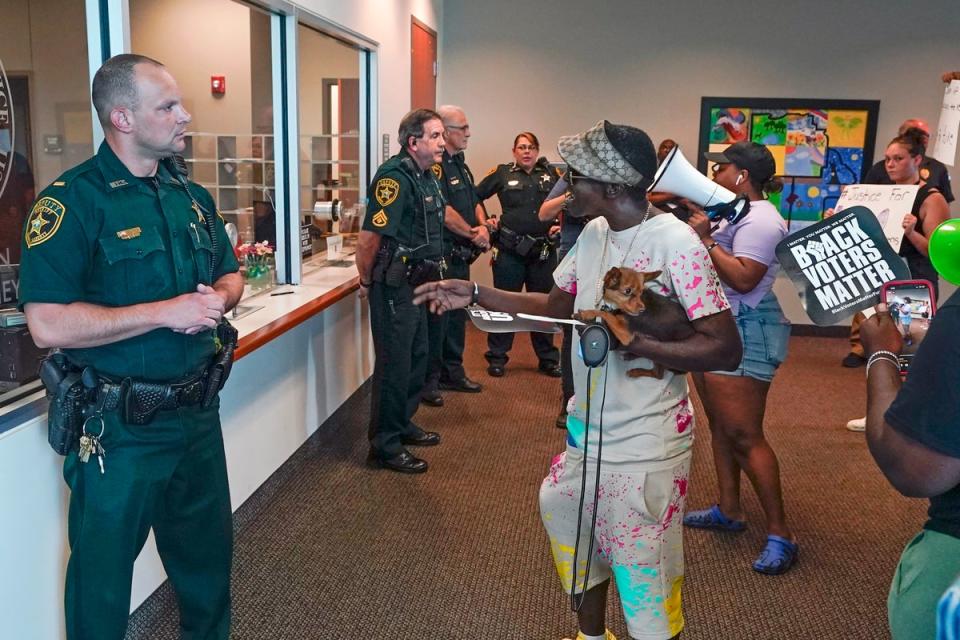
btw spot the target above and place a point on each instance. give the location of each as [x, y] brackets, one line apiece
[400, 343]
[170, 475]
[447, 335]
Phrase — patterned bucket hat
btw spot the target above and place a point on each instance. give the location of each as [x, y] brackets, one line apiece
[593, 154]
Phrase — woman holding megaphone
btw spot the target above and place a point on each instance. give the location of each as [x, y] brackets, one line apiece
[743, 254]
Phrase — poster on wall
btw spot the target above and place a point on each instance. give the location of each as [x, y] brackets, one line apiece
[819, 145]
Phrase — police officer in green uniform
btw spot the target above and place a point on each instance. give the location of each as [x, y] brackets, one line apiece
[116, 271]
[465, 239]
[399, 247]
[524, 253]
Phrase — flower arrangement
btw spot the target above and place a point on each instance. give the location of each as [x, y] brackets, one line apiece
[256, 257]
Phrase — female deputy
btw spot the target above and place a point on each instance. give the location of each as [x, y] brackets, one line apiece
[902, 161]
[524, 254]
[743, 254]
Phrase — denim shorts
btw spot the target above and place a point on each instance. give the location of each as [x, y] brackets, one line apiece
[764, 332]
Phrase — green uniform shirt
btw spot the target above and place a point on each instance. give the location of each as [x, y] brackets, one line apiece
[406, 204]
[520, 194]
[459, 191]
[100, 235]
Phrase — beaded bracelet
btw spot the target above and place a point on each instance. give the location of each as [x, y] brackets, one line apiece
[888, 356]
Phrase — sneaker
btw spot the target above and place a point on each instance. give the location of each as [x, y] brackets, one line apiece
[852, 361]
[859, 424]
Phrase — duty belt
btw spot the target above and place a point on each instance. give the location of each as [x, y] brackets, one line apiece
[139, 401]
[524, 245]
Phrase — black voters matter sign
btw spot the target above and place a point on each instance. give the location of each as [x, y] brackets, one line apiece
[839, 264]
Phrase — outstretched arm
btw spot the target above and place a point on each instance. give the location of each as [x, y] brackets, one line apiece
[447, 295]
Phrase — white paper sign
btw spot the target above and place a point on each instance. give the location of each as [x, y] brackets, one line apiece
[334, 245]
[945, 140]
[889, 202]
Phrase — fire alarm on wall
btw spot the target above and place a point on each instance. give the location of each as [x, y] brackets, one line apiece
[218, 85]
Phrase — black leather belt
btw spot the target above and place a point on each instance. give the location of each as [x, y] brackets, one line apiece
[138, 401]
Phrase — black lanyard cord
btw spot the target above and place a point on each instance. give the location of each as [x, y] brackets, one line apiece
[575, 603]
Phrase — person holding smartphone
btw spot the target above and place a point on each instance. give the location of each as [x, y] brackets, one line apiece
[911, 430]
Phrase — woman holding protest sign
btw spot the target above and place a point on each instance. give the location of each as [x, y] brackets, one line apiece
[743, 254]
[902, 161]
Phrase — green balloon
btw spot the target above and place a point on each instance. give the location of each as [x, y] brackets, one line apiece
[944, 250]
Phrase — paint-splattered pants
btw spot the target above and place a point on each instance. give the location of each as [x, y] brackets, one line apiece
[638, 539]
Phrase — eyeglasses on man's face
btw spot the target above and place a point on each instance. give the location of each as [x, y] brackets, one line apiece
[459, 127]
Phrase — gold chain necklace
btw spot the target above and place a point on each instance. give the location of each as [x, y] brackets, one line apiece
[603, 255]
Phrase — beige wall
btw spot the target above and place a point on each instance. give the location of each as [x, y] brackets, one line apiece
[386, 22]
[320, 57]
[197, 39]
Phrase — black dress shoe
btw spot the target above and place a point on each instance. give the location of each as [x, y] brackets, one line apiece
[465, 384]
[551, 369]
[496, 370]
[421, 438]
[403, 462]
[432, 398]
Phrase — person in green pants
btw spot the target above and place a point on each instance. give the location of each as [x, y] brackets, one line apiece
[128, 270]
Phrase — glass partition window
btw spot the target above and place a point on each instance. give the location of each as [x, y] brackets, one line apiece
[329, 153]
[46, 127]
[230, 147]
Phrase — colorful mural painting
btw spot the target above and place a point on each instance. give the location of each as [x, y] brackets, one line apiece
[818, 145]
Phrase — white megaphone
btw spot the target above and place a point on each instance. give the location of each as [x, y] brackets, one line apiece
[676, 175]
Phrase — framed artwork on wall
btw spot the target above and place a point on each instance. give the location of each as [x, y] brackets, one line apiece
[819, 145]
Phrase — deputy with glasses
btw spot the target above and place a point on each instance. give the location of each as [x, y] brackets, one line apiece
[524, 255]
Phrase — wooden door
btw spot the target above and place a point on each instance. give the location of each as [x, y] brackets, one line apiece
[423, 66]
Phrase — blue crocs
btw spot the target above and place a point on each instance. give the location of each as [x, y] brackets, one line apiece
[712, 518]
[777, 556]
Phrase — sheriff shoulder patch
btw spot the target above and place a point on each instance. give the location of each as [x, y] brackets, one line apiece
[380, 219]
[491, 171]
[386, 191]
[437, 170]
[44, 220]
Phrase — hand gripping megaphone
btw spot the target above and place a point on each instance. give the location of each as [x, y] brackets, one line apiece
[676, 175]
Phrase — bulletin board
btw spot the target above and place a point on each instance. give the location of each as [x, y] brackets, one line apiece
[818, 145]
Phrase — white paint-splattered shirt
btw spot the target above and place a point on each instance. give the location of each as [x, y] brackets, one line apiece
[645, 420]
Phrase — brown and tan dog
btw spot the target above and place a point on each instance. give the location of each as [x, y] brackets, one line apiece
[639, 311]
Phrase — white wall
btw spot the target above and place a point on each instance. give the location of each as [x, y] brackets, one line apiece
[558, 67]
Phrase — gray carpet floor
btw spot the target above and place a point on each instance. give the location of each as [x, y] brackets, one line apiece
[331, 549]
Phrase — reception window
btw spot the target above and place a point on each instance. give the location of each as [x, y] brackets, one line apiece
[219, 51]
[46, 127]
[330, 177]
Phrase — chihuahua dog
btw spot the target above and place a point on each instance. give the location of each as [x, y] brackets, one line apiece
[639, 310]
